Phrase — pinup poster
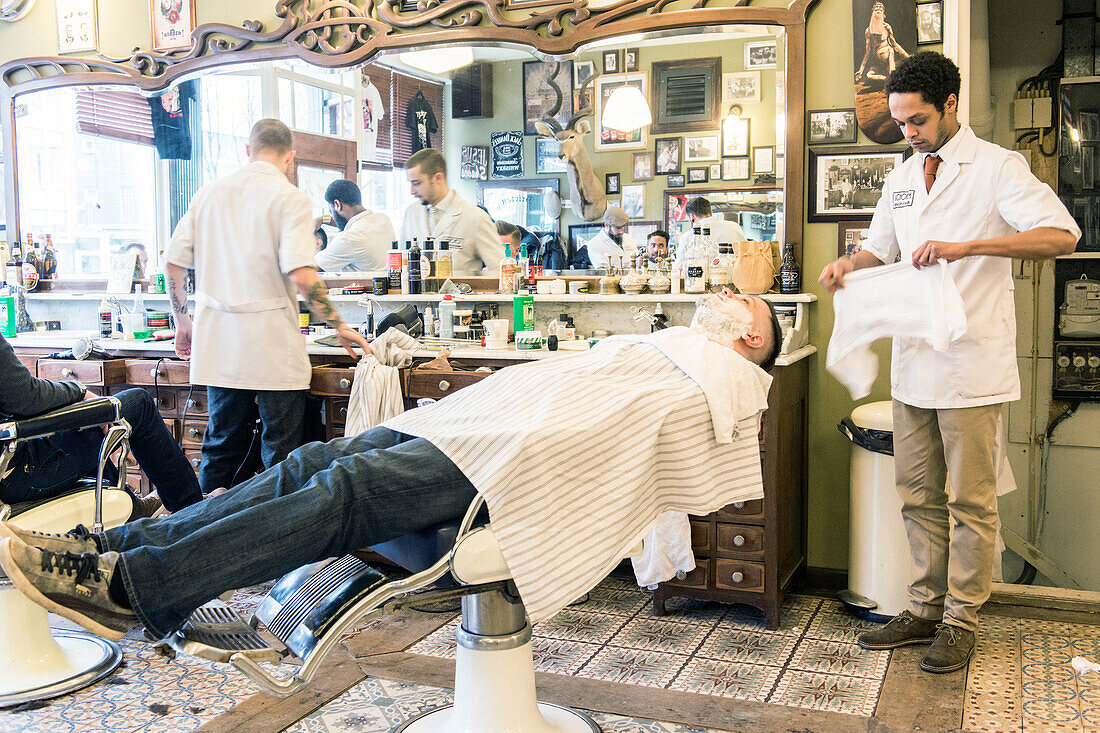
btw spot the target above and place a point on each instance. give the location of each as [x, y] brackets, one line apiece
[884, 33]
[172, 22]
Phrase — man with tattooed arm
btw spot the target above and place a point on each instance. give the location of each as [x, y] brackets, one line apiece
[249, 238]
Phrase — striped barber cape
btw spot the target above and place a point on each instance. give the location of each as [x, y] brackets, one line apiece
[578, 455]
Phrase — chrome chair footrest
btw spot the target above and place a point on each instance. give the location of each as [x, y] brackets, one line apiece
[215, 632]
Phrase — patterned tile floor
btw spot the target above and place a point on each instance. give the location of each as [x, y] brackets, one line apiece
[811, 661]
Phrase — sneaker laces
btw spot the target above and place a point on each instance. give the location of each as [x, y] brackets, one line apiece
[84, 565]
[952, 632]
[79, 532]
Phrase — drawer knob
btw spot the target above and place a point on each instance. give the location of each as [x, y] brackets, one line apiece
[66, 372]
[739, 540]
[190, 403]
[738, 505]
[195, 462]
[193, 432]
[444, 385]
[681, 575]
[345, 383]
[154, 373]
[343, 412]
[738, 576]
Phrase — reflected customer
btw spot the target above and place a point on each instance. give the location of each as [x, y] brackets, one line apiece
[364, 237]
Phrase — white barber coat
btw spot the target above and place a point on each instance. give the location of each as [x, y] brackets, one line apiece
[468, 227]
[722, 231]
[602, 250]
[362, 245]
[242, 235]
[981, 191]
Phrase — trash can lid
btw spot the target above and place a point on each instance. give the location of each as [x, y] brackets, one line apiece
[874, 416]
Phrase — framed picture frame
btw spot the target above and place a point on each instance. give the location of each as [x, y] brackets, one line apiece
[850, 236]
[735, 137]
[546, 157]
[582, 71]
[606, 138]
[929, 22]
[668, 153]
[474, 163]
[643, 166]
[613, 61]
[735, 169]
[846, 183]
[544, 84]
[77, 29]
[640, 230]
[761, 54]
[633, 201]
[715, 171]
[740, 87]
[763, 159]
[171, 23]
[1088, 125]
[1088, 167]
[698, 175]
[506, 154]
[676, 181]
[702, 148]
[579, 234]
[630, 60]
[831, 126]
[611, 184]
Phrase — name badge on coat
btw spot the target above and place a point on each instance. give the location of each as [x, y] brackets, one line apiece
[903, 199]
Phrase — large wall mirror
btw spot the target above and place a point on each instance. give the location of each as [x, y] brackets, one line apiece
[99, 167]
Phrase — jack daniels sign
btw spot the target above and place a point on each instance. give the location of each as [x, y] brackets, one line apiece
[507, 154]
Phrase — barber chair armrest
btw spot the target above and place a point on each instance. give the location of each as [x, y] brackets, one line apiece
[77, 416]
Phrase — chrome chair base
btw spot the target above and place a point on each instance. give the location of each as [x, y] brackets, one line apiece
[80, 659]
[565, 720]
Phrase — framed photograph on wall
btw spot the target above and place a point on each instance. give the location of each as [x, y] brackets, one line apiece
[735, 137]
[831, 126]
[474, 163]
[643, 166]
[633, 202]
[667, 151]
[698, 175]
[676, 181]
[715, 171]
[613, 62]
[763, 159]
[735, 169]
[850, 236]
[76, 25]
[740, 87]
[761, 54]
[546, 84]
[929, 22]
[172, 22]
[606, 138]
[630, 60]
[582, 71]
[611, 184]
[701, 148]
[846, 183]
[546, 156]
[579, 234]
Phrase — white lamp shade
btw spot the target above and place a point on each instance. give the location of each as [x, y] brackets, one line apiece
[626, 110]
[439, 60]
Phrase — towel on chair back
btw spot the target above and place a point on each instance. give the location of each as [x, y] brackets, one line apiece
[376, 388]
[578, 455]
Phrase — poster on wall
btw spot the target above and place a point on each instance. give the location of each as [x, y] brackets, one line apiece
[76, 25]
[507, 153]
[606, 138]
[547, 89]
[474, 163]
[547, 156]
[884, 33]
[172, 22]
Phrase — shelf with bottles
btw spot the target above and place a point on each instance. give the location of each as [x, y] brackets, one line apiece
[573, 298]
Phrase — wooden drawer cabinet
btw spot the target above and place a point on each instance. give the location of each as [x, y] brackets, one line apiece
[194, 402]
[100, 373]
[194, 457]
[332, 381]
[337, 410]
[752, 550]
[437, 384]
[193, 432]
[160, 372]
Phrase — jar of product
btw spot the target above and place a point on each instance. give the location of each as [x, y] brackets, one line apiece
[463, 319]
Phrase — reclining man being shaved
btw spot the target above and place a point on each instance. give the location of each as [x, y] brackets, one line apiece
[576, 457]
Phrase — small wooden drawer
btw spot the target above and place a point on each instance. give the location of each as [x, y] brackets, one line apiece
[167, 401]
[739, 575]
[111, 371]
[337, 410]
[740, 538]
[28, 360]
[173, 427]
[195, 404]
[697, 578]
[161, 372]
[133, 481]
[743, 510]
[436, 384]
[193, 430]
[332, 381]
[700, 535]
[194, 457]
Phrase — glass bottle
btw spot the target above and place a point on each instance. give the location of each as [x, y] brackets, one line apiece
[721, 267]
[695, 264]
[415, 272]
[393, 261]
[790, 274]
[443, 265]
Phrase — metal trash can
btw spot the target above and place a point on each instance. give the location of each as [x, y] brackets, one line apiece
[878, 552]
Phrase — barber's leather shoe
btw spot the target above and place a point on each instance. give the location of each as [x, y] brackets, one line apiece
[147, 506]
[950, 651]
[901, 630]
[78, 539]
[73, 586]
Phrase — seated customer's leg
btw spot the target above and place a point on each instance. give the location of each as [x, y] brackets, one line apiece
[282, 416]
[361, 499]
[227, 437]
[157, 451]
[51, 465]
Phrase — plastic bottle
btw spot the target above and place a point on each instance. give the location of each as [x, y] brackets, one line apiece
[106, 319]
[507, 271]
[429, 321]
[523, 270]
[447, 317]
[393, 261]
[405, 268]
[416, 282]
[13, 273]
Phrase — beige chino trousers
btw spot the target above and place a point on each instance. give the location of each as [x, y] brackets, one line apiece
[951, 538]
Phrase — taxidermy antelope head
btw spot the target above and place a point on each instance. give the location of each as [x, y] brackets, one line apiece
[585, 190]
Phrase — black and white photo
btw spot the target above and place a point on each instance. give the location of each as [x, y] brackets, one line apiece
[832, 126]
[760, 54]
[763, 159]
[930, 22]
[630, 60]
[846, 183]
[698, 175]
[643, 166]
[701, 148]
[611, 184]
[676, 181]
[612, 62]
[740, 87]
[735, 169]
[667, 152]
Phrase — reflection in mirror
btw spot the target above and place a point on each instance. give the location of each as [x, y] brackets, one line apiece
[101, 167]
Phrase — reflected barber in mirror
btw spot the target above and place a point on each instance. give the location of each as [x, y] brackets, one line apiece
[439, 212]
[612, 246]
[722, 231]
[364, 236]
[656, 247]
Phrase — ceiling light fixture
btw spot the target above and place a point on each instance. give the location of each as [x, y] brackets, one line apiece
[439, 60]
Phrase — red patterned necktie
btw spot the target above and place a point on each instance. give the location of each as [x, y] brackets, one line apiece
[931, 163]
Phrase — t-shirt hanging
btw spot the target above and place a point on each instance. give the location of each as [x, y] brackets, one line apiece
[420, 120]
[373, 112]
[171, 116]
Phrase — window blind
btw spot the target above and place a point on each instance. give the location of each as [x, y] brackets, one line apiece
[113, 113]
[397, 90]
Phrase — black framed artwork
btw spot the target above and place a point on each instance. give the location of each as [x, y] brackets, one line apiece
[546, 84]
[831, 126]
[929, 23]
[630, 60]
[676, 181]
[735, 137]
[579, 234]
[698, 175]
[735, 169]
[611, 184]
[612, 62]
[668, 152]
[643, 166]
[846, 183]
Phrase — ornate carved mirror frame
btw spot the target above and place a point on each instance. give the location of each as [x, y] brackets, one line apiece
[341, 33]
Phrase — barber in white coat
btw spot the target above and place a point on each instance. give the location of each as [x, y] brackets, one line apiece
[249, 238]
[976, 206]
[441, 213]
[701, 213]
[612, 245]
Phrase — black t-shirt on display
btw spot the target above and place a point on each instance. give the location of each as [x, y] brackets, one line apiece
[171, 113]
[421, 122]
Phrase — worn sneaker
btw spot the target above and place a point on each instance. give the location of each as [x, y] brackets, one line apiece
[901, 630]
[78, 539]
[70, 585]
[950, 651]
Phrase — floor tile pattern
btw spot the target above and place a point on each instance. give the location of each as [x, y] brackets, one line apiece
[1020, 678]
[811, 661]
[377, 706]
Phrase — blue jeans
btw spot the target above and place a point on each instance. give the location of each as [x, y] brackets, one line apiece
[229, 433]
[53, 464]
[324, 500]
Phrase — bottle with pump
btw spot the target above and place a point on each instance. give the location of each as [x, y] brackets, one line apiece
[507, 271]
[415, 273]
[790, 274]
[695, 264]
[393, 261]
[443, 265]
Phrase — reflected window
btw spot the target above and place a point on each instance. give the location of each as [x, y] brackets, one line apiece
[230, 104]
[318, 101]
[386, 192]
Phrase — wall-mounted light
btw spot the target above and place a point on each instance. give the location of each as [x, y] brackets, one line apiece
[732, 121]
[439, 60]
[626, 109]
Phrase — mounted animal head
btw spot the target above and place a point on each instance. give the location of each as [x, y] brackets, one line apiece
[586, 192]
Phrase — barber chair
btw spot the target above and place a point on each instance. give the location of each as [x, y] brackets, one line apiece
[309, 609]
[37, 662]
